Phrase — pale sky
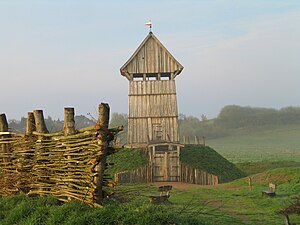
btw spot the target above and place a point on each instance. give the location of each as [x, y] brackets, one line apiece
[55, 54]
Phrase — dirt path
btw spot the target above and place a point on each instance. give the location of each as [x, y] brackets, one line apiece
[185, 186]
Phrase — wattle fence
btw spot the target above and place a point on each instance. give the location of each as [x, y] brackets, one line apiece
[68, 164]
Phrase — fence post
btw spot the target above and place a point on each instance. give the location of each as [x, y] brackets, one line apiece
[4, 128]
[250, 183]
[3, 123]
[102, 127]
[30, 124]
[39, 151]
[69, 122]
[40, 122]
[69, 129]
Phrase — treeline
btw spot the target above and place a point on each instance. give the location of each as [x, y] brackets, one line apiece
[234, 117]
[230, 118]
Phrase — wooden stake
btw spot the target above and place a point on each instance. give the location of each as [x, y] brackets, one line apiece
[3, 123]
[4, 128]
[69, 129]
[40, 122]
[69, 122]
[30, 124]
[250, 183]
[102, 126]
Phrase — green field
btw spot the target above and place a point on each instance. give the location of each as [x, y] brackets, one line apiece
[231, 203]
[280, 143]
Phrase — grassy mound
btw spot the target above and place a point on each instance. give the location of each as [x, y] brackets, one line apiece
[207, 159]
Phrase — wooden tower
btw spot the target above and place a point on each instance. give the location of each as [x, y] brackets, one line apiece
[153, 114]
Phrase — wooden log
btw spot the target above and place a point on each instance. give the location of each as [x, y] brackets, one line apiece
[39, 148]
[30, 124]
[40, 122]
[102, 125]
[5, 148]
[69, 122]
[69, 129]
[3, 123]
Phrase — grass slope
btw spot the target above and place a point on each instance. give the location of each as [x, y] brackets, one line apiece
[126, 159]
[207, 159]
[258, 167]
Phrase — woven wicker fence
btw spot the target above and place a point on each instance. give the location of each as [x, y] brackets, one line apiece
[66, 166]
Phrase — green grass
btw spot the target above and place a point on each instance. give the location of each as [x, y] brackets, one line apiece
[23, 210]
[234, 203]
[207, 159]
[257, 167]
[280, 143]
[126, 159]
[229, 204]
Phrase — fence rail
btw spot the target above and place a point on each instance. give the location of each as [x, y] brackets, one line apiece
[187, 175]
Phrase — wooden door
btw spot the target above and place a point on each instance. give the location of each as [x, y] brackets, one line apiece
[165, 166]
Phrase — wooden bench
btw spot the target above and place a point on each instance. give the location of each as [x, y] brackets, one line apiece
[163, 196]
[271, 191]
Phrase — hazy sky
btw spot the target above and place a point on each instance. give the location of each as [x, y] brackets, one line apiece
[55, 53]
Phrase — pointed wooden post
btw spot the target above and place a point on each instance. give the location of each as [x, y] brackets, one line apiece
[102, 127]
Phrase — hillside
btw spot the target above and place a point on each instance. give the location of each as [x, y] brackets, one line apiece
[276, 143]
